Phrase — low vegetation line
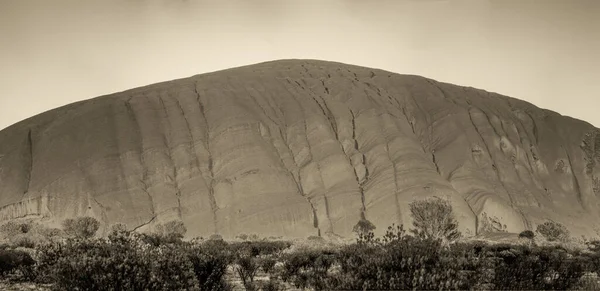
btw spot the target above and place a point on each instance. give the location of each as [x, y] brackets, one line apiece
[430, 256]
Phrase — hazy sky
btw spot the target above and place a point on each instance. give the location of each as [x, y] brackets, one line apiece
[54, 52]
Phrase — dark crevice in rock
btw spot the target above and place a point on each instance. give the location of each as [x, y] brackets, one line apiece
[312, 205]
[143, 181]
[264, 112]
[437, 167]
[91, 196]
[325, 87]
[316, 222]
[364, 163]
[189, 132]
[211, 190]
[575, 180]
[535, 128]
[103, 214]
[318, 169]
[327, 213]
[29, 162]
[395, 173]
[531, 155]
[150, 199]
[145, 223]
[487, 149]
[294, 173]
[410, 122]
[328, 114]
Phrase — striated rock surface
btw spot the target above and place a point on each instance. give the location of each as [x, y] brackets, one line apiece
[301, 147]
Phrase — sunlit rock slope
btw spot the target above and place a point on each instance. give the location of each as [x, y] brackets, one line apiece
[301, 147]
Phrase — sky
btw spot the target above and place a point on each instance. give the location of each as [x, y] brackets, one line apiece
[55, 52]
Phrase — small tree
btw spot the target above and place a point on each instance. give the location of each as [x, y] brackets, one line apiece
[81, 227]
[363, 227]
[553, 231]
[247, 268]
[433, 219]
[528, 234]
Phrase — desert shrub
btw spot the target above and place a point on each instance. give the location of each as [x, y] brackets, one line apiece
[118, 228]
[21, 234]
[267, 264]
[15, 260]
[13, 228]
[553, 231]
[242, 236]
[172, 269]
[528, 234]
[593, 246]
[125, 261]
[588, 281]
[315, 238]
[81, 227]
[250, 256]
[210, 263]
[433, 219]
[49, 234]
[308, 268]
[260, 248]
[409, 263]
[216, 237]
[271, 285]
[540, 268]
[172, 230]
[23, 240]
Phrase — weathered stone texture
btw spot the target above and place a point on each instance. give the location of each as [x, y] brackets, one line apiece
[301, 147]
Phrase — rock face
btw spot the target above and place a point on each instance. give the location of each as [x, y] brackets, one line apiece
[301, 147]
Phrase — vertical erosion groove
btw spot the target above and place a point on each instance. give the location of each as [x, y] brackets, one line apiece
[211, 178]
[497, 171]
[189, 132]
[364, 163]
[575, 179]
[169, 152]
[29, 162]
[316, 222]
[487, 149]
[435, 84]
[143, 181]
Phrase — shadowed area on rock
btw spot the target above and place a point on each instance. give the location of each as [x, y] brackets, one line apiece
[297, 148]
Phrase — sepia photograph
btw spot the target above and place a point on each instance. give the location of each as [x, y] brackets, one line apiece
[270, 145]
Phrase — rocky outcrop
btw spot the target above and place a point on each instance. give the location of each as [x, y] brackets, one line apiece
[298, 148]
